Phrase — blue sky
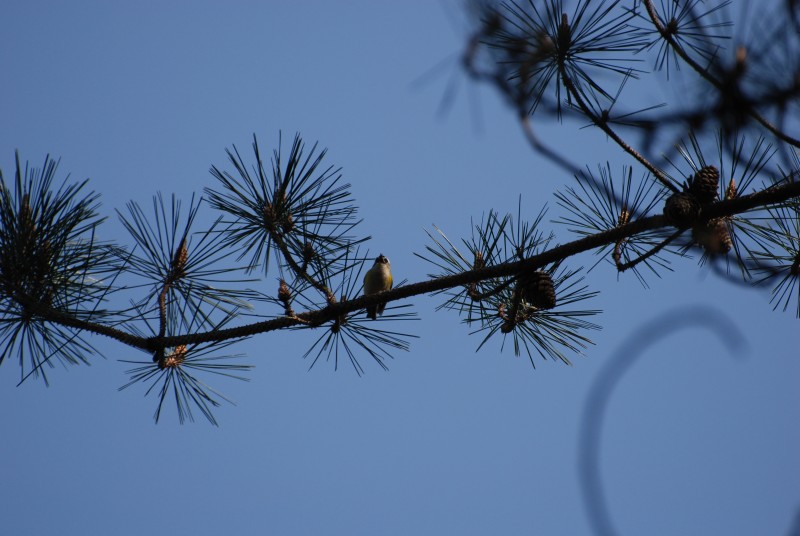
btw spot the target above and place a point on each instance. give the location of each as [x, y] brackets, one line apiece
[144, 97]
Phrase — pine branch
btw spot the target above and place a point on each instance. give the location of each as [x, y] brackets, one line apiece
[601, 122]
[720, 85]
[332, 311]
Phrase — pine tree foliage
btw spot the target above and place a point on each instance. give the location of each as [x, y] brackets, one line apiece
[713, 176]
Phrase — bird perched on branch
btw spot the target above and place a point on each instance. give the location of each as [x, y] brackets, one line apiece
[377, 279]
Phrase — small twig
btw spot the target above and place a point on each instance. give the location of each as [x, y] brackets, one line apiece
[299, 270]
[602, 123]
[516, 302]
[621, 267]
[541, 148]
[476, 296]
[162, 309]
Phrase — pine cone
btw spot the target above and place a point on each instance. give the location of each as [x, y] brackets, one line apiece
[538, 289]
[705, 185]
[681, 209]
[714, 236]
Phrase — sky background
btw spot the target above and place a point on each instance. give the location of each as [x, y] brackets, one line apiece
[143, 97]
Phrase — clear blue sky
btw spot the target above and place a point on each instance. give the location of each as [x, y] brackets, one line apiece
[145, 96]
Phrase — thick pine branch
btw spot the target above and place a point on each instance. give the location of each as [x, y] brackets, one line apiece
[769, 196]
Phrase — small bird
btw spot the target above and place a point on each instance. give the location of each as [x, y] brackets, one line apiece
[377, 279]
